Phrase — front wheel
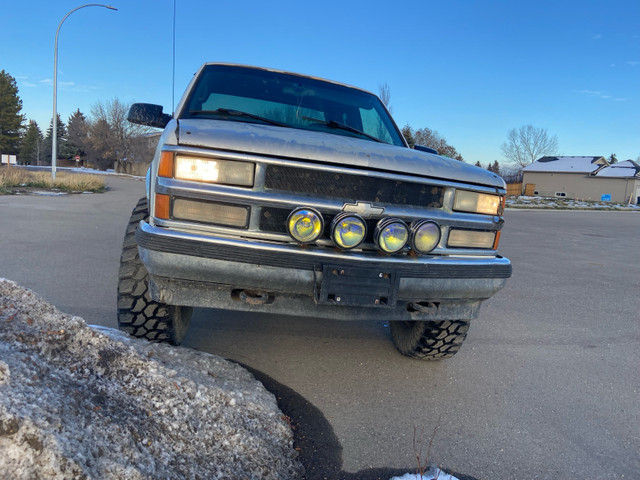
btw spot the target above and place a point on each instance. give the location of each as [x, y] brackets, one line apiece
[138, 314]
[429, 340]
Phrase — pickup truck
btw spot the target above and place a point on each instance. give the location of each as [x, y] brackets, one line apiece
[283, 193]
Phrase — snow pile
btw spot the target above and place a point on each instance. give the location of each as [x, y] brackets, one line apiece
[83, 402]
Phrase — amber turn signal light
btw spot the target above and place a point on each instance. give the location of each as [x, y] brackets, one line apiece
[165, 169]
[162, 206]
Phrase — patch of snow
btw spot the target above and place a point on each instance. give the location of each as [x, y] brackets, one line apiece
[565, 164]
[84, 170]
[45, 193]
[432, 474]
[100, 172]
[89, 402]
[567, 204]
[626, 169]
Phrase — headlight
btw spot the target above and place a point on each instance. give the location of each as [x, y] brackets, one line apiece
[466, 201]
[348, 230]
[471, 239]
[305, 225]
[391, 235]
[425, 235]
[226, 172]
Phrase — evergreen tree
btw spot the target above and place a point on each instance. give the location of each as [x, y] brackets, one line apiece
[613, 159]
[31, 150]
[495, 167]
[78, 134]
[407, 132]
[11, 121]
[64, 149]
[478, 164]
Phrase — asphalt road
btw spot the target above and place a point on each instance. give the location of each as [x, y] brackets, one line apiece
[547, 385]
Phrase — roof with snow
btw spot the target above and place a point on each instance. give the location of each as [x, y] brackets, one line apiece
[567, 164]
[626, 169]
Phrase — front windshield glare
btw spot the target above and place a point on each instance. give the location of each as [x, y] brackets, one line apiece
[226, 92]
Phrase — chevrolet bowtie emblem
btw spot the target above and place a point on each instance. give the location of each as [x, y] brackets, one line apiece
[365, 210]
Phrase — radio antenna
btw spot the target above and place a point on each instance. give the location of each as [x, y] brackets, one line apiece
[173, 74]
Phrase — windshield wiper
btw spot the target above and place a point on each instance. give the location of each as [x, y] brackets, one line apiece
[238, 113]
[342, 126]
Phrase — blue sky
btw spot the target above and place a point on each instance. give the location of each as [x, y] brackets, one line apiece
[471, 70]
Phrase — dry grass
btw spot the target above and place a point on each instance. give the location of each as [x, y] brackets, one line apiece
[17, 180]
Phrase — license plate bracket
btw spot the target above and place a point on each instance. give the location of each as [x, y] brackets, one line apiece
[358, 286]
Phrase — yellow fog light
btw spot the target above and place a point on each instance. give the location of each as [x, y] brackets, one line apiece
[471, 239]
[425, 235]
[348, 230]
[391, 235]
[305, 225]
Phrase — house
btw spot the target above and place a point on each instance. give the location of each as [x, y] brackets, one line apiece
[622, 179]
[584, 178]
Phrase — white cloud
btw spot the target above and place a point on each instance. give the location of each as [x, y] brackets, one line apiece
[591, 93]
[601, 95]
[48, 81]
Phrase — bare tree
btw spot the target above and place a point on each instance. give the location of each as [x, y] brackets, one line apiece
[430, 138]
[101, 149]
[384, 92]
[113, 138]
[526, 144]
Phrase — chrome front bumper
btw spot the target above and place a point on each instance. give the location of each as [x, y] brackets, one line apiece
[205, 271]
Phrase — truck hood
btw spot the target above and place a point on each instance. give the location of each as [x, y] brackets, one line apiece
[327, 148]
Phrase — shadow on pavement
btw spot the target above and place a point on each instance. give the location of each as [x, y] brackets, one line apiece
[319, 449]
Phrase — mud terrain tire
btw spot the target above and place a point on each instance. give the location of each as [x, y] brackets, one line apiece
[138, 314]
[429, 340]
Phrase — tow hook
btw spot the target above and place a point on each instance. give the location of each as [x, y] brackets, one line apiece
[423, 307]
[253, 297]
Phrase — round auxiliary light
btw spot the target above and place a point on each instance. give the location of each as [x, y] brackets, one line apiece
[305, 225]
[391, 235]
[348, 230]
[425, 235]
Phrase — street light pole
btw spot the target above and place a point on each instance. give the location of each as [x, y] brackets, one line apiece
[54, 121]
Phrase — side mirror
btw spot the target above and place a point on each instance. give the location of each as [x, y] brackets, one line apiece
[422, 148]
[148, 114]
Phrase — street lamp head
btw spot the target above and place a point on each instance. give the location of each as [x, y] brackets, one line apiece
[111, 8]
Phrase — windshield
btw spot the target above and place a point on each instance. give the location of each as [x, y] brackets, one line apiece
[235, 93]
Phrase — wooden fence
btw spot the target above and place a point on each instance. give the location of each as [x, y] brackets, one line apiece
[515, 189]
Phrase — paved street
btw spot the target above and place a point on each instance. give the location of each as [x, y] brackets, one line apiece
[547, 385]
